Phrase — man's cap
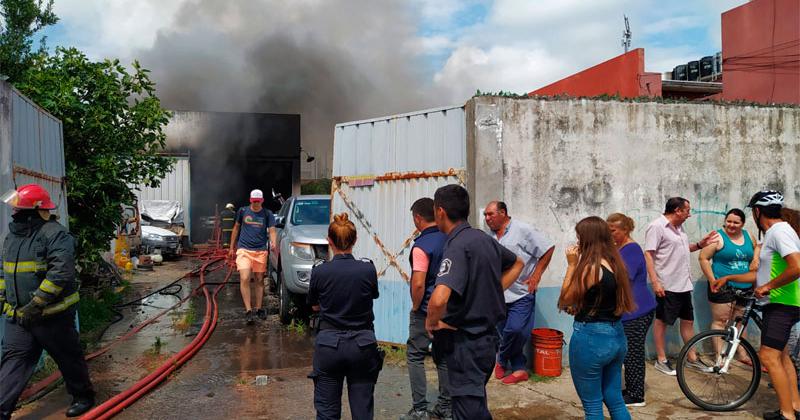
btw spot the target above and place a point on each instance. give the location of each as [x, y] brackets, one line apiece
[230, 206]
[256, 195]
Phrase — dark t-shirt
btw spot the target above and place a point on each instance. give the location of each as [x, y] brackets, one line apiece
[431, 242]
[253, 227]
[344, 289]
[600, 301]
[472, 267]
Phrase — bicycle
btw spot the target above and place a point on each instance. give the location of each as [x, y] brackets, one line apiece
[728, 382]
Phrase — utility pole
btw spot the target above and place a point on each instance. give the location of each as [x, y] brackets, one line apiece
[626, 35]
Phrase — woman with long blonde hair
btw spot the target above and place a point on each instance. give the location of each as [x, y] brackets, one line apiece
[596, 291]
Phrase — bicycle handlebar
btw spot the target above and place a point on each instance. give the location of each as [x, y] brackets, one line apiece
[744, 293]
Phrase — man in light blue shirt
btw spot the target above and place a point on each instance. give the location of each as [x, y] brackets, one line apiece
[535, 249]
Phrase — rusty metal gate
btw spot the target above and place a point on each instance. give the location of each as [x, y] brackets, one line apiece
[416, 154]
[385, 233]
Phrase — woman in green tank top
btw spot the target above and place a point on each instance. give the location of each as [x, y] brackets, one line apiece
[731, 257]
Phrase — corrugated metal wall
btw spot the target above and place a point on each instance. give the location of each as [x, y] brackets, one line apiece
[175, 186]
[32, 138]
[431, 140]
[426, 141]
[31, 151]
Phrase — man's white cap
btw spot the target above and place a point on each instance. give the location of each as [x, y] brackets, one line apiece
[256, 195]
[230, 206]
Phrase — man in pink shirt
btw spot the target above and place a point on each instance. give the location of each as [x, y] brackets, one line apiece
[426, 258]
[667, 256]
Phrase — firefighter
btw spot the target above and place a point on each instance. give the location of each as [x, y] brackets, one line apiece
[38, 294]
[228, 217]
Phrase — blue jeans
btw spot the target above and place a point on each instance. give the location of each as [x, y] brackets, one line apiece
[515, 331]
[596, 352]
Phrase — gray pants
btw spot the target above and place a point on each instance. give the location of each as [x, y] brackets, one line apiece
[418, 343]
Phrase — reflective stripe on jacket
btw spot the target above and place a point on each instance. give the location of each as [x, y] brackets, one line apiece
[38, 261]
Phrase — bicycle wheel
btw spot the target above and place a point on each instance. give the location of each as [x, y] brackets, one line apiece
[709, 388]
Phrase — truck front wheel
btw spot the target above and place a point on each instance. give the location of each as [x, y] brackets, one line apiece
[285, 301]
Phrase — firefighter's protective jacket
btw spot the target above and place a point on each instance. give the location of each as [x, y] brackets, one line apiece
[228, 221]
[38, 265]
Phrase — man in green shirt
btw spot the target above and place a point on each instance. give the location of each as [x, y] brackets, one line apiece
[778, 289]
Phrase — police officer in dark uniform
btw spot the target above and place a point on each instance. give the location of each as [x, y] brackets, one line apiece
[468, 302]
[228, 216]
[38, 295]
[342, 290]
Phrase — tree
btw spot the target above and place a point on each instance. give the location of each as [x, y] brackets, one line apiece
[21, 19]
[113, 133]
[317, 186]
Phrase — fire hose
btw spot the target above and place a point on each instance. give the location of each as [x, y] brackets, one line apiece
[113, 406]
[124, 399]
[35, 390]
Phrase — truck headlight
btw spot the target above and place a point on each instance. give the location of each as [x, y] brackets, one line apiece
[301, 251]
[154, 237]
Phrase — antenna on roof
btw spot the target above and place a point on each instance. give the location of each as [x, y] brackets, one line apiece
[626, 35]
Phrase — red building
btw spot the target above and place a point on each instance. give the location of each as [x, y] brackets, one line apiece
[760, 63]
[622, 75]
[761, 52]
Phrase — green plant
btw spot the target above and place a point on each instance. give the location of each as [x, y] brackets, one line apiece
[395, 355]
[112, 122]
[21, 20]
[155, 349]
[113, 134]
[96, 311]
[503, 94]
[638, 99]
[317, 186]
[297, 327]
[541, 379]
[185, 319]
[48, 367]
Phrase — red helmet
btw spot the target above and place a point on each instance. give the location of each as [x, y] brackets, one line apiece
[29, 196]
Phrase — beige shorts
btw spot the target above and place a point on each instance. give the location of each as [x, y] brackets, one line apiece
[255, 261]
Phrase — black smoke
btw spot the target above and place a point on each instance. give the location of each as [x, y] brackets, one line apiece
[329, 61]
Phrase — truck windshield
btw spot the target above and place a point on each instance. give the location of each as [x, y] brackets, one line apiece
[311, 212]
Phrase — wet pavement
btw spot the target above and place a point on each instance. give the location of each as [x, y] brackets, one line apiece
[220, 381]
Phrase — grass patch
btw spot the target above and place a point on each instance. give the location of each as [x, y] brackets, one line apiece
[297, 327]
[186, 319]
[395, 355]
[155, 348]
[539, 379]
[48, 367]
[95, 313]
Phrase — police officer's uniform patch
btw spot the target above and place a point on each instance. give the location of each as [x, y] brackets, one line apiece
[444, 268]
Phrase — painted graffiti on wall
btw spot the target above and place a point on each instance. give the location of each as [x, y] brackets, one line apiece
[563, 160]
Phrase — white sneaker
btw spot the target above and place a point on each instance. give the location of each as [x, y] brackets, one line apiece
[632, 402]
[665, 367]
[699, 365]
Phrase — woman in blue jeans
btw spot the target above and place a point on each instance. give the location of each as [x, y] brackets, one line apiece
[597, 292]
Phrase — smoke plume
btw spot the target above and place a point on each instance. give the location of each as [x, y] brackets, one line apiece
[330, 61]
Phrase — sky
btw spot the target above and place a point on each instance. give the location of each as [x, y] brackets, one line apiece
[378, 57]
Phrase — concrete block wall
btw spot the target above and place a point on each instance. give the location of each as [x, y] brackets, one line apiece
[557, 161]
